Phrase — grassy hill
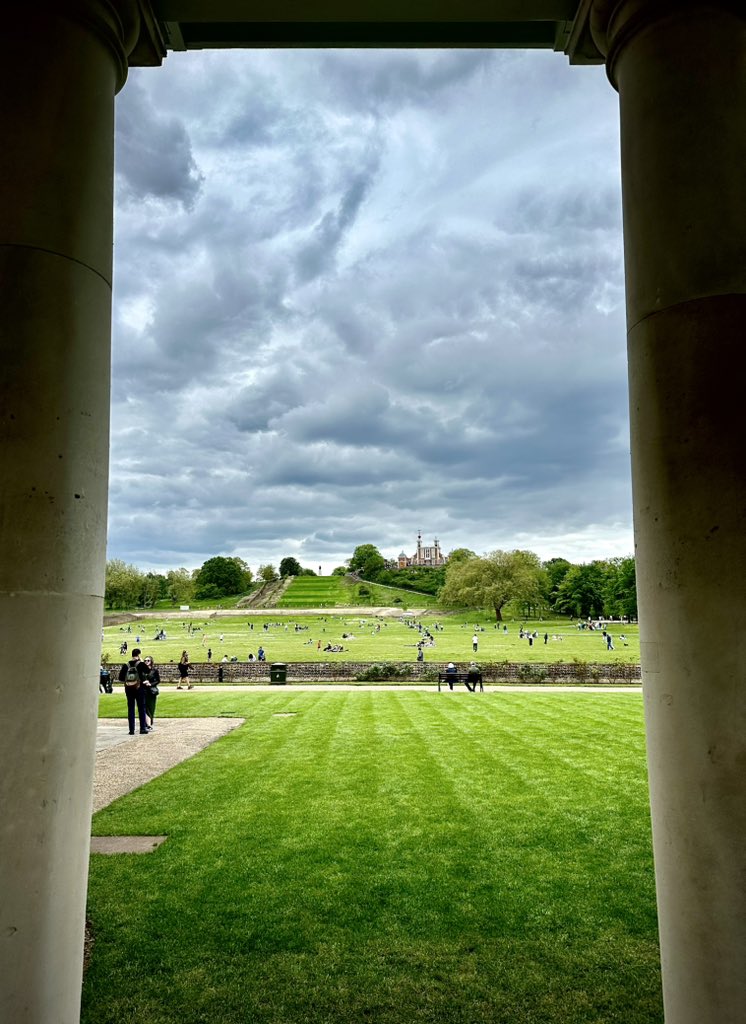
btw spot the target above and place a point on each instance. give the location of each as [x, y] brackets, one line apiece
[345, 591]
[316, 592]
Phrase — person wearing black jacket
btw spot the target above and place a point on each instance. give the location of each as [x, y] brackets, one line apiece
[150, 683]
[135, 693]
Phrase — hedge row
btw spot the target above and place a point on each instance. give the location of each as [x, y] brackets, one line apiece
[401, 671]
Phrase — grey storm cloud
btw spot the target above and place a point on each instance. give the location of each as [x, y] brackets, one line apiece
[318, 253]
[358, 287]
[154, 156]
[382, 80]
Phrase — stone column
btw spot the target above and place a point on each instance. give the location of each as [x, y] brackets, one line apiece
[62, 63]
[680, 69]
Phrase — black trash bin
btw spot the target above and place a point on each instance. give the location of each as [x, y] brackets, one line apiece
[278, 673]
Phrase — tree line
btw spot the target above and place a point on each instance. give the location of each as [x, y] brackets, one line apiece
[500, 580]
[516, 579]
[218, 577]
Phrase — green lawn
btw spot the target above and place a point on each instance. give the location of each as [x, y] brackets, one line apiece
[394, 642]
[392, 857]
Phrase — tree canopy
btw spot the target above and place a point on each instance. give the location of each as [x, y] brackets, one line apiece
[581, 591]
[124, 584]
[461, 555]
[367, 560]
[222, 577]
[493, 580]
[290, 566]
[620, 588]
[180, 586]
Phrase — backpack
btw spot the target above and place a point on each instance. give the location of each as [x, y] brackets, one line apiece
[132, 677]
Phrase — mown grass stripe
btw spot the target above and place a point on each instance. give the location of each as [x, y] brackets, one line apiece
[389, 856]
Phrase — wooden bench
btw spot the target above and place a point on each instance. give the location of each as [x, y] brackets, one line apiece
[471, 680]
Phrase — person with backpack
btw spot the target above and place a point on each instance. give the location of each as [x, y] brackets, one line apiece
[132, 674]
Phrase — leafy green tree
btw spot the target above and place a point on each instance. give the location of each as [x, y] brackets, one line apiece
[581, 592]
[556, 569]
[367, 561]
[123, 586]
[620, 590]
[179, 586]
[267, 573]
[247, 576]
[426, 579]
[306, 572]
[493, 580]
[340, 570]
[290, 566]
[153, 589]
[221, 577]
[461, 555]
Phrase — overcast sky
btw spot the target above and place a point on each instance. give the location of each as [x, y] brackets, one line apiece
[359, 294]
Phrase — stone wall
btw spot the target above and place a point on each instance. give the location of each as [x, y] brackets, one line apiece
[345, 671]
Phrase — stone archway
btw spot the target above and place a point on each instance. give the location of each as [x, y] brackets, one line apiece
[680, 69]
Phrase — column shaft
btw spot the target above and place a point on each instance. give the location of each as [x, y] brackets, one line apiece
[681, 75]
[58, 77]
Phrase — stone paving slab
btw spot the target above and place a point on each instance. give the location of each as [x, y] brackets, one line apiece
[126, 844]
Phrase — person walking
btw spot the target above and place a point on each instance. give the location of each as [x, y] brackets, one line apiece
[183, 668]
[132, 674]
[104, 680]
[152, 689]
[475, 643]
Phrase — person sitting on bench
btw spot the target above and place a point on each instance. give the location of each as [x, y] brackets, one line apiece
[474, 678]
[452, 673]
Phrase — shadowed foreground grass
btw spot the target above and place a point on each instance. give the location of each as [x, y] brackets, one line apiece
[392, 857]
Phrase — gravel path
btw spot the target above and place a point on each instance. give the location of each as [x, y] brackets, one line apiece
[125, 762]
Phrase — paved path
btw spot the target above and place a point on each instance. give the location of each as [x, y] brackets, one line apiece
[358, 612]
[125, 762]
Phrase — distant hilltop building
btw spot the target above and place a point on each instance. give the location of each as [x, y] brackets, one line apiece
[432, 557]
